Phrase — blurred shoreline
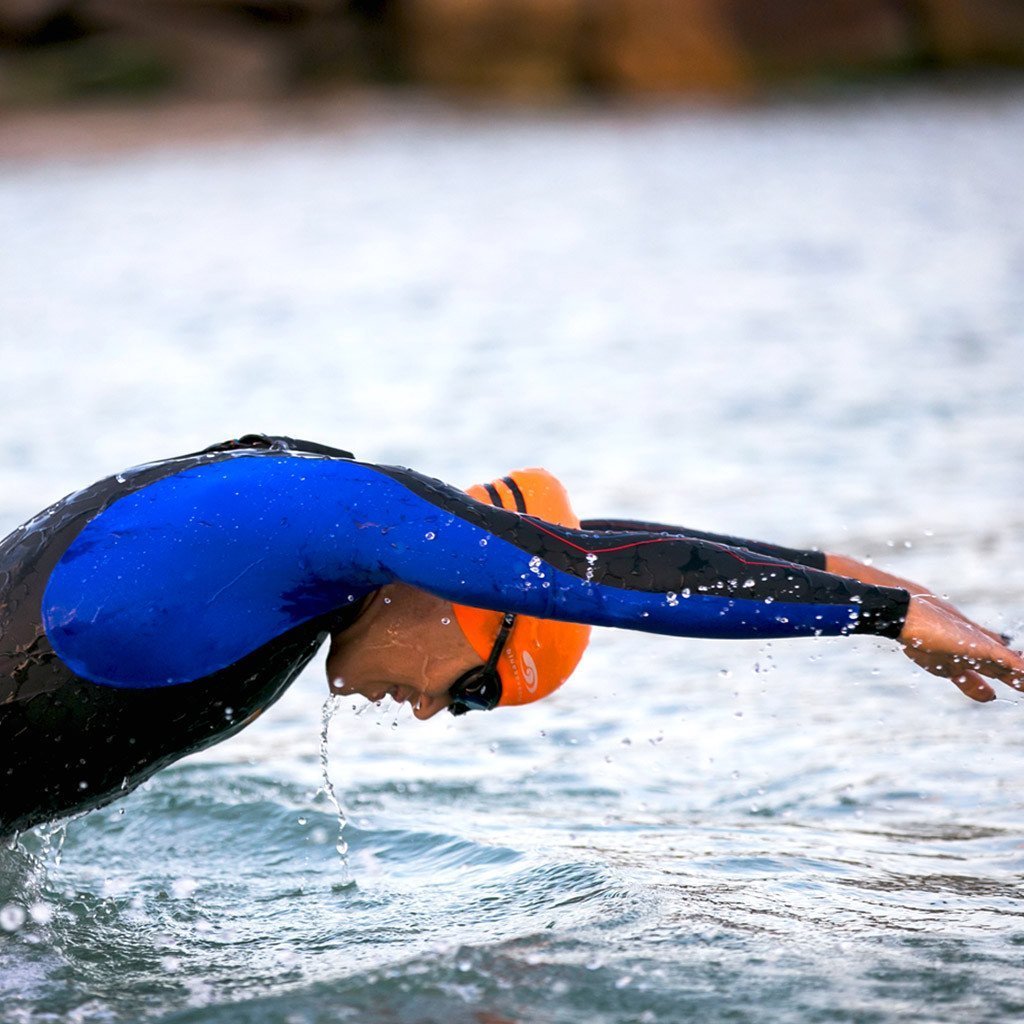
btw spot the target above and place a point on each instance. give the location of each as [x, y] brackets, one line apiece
[543, 52]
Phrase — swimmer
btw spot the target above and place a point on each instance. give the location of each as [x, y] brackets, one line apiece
[160, 611]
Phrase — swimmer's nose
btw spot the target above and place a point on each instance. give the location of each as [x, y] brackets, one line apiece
[428, 706]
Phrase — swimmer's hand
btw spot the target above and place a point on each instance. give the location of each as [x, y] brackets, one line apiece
[946, 643]
[841, 565]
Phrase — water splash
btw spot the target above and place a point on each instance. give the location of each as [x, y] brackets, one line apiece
[52, 836]
[332, 705]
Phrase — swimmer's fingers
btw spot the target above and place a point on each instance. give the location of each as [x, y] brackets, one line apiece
[974, 661]
[1003, 639]
[966, 680]
[972, 685]
[992, 659]
[944, 643]
[1007, 668]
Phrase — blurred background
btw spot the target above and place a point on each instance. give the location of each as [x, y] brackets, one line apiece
[538, 49]
[750, 267]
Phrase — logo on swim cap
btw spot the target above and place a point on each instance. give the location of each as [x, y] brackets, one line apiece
[530, 676]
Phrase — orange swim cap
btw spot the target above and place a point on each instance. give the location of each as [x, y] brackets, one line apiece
[540, 654]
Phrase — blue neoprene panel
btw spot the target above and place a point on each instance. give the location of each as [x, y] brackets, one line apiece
[188, 575]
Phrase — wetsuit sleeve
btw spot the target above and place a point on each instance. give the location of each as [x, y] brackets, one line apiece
[199, 569]
[651, 579]
[812, 558]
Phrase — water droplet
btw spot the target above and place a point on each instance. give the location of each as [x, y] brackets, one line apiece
[483, 542]
[41, 913]
[182, 888]
[445, 621]
[12, 917]
[769, 600]
[430, 535]
[119, 478]
[724, 673]
[672, 598]
[748, 583]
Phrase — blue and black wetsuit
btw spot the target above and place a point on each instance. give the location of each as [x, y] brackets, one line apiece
[159, 611]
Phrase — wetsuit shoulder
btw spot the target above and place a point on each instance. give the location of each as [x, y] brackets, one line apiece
[67, 744]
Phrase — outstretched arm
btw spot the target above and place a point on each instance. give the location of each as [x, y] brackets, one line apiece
[641, 576]
[936, 635]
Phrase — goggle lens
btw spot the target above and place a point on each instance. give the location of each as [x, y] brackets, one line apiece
[479, 689]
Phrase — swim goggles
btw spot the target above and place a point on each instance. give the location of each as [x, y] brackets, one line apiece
[479, 689]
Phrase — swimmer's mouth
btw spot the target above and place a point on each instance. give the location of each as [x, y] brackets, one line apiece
[399, 694]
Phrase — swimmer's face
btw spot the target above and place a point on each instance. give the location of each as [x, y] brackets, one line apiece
[406, 645]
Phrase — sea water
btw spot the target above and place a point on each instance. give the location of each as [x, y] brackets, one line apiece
[803, 322]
